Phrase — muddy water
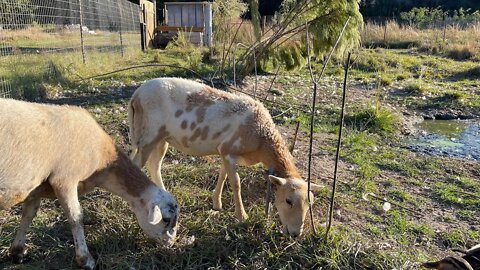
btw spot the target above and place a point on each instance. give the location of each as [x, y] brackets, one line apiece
[448, 138]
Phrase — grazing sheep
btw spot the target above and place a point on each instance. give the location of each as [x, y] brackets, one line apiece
[199, 120]
[60, 151]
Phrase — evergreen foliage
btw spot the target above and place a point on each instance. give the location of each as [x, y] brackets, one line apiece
[393, 8]
[423, 17]
[325, 19]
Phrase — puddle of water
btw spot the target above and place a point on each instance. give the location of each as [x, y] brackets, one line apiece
[448, 138]
[447, 128]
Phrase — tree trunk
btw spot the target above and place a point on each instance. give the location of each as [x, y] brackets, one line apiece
[255, 19]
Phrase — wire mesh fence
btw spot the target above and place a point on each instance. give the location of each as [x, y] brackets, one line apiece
[36, 33]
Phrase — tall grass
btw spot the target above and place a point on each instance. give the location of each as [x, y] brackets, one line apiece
[459, 43]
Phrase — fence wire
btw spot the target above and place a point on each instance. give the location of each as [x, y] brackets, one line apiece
[33, 33]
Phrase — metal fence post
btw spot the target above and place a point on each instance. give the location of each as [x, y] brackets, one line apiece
[81, 30]
[120, 28]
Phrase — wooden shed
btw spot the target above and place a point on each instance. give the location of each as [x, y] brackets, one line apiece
[194, 18]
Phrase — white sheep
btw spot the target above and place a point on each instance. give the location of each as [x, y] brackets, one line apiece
[60, 151]
[199, 120]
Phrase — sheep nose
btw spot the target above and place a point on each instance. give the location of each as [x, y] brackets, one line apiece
[166, 220]
[172, 208]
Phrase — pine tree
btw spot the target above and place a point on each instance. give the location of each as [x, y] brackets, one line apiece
[325, 19]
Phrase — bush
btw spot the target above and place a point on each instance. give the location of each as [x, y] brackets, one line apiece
[375, 120]
[180, 42]
[194, 59]
[423, 17]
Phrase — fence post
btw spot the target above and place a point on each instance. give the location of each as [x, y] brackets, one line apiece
[81, 30]
[143, 34]
[444, 27]
[385, 31]
[120, 29]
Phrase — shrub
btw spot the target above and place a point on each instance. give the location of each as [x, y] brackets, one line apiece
[194, 59]
[180, 42]
[375, 120]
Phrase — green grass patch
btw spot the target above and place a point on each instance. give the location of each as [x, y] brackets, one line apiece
[454, 96]
[416, 88]
[371, 119]
[401, 195]
[452, 194]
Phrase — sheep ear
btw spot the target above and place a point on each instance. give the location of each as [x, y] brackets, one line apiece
[277, 181]
[154, 215]
[316, 187]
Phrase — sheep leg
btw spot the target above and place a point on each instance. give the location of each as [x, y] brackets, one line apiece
[29, 211]
[231, 168]
[154, 163]
[136, 157]
[142, 153]
[68, 198]
[217, 194]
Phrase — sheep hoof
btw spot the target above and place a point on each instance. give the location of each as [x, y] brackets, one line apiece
[242, 217]
[217, 206]
[18, 254]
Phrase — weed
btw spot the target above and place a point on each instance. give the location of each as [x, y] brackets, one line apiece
[369, 64]
[194, 59]
[449, 193]
[403, 76]
[357, 147]
[397, 225]
[423, 229]
[416, 88]
[374, 230]
[467, 215]
[376, 120]
[386, 80]
[460, 52]
[401, 195]
[453, 238]
[468, 184]
[454, 96]
[397, 164]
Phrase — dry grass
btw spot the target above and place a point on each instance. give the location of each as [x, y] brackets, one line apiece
[61, 38]
[459, 44]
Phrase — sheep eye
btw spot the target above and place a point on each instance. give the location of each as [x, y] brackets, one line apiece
[289, 202]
